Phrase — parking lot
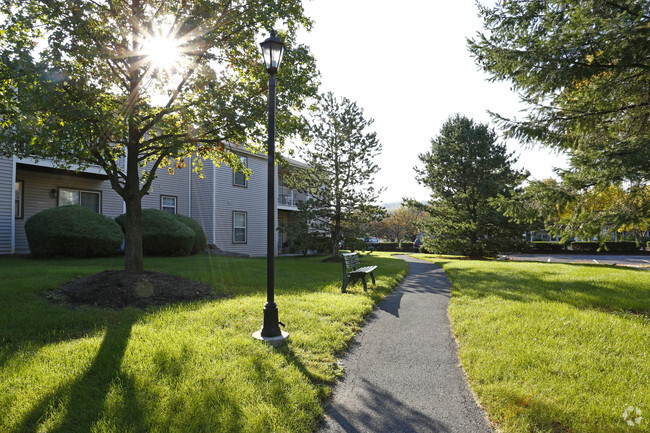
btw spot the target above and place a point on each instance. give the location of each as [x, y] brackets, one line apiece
[639, 261]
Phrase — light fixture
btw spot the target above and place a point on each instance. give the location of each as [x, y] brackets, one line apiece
[272, 51]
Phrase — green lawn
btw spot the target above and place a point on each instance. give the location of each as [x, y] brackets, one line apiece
[184, 368]
[554, 347]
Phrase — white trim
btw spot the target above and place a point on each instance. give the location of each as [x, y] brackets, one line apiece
[164, 206]
[214, 204]
[126, 172]
[51, 164]
[13, 204]
[189, 187]
[235, 227]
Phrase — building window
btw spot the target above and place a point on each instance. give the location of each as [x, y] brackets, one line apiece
[18, 201]
[168, 203]
[239, 227]
[239, 178]
[90, 199]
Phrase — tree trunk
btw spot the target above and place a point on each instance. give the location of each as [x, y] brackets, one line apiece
[133, 262]
[133, 253]
[336, 237]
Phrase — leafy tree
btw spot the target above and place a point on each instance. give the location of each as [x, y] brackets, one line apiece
[466, 169]
[584, 71]
[599, 211]
[339, 180]
[136, 85]
[400, 224]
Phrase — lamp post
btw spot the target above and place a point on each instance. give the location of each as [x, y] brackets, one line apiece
[272, 50]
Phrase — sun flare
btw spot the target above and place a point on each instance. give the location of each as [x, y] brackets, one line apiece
[163, 53]
[163, 50]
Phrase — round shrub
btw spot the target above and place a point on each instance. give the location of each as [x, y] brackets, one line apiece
[72, 231]
[162, 234]
[200, 239]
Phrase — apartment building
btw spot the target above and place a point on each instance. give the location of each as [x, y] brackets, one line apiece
[230, 208]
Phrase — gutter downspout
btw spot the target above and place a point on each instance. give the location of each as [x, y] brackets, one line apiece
[189, 188]
[126, 171]
[214, 204]
[13, 203]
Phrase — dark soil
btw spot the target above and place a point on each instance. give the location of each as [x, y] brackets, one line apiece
[119, 289]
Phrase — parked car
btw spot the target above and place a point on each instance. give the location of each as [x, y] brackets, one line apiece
[371, 242]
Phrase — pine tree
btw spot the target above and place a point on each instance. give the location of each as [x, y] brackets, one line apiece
[340, 179]
[466, 169]
[582, 68]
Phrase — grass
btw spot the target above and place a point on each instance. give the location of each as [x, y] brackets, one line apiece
[190, 367]
[554, 347]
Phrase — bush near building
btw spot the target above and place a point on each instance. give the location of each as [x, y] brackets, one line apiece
[200, 239]
[72, 231]
[162, 234]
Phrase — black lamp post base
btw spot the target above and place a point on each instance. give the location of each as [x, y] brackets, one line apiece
[271, 332]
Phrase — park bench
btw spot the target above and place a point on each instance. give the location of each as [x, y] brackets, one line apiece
[353, 272]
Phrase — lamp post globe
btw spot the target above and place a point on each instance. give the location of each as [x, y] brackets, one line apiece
[272, 51]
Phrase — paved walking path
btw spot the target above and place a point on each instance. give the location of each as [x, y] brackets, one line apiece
[402, 373]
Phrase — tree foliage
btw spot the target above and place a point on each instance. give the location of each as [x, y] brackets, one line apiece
[339, 182]
[582, 68]
[466, 169]
[80, 83]
[600, 212]
[400, 224]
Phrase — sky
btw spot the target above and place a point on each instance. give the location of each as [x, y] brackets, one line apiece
[407, 65]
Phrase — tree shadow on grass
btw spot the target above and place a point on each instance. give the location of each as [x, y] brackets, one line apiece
[30, 326]
[82, 399]
[543, 414]
[619, 296]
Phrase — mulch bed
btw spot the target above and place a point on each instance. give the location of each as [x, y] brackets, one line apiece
[119, 289]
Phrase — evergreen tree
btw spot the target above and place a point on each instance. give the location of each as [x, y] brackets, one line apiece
[466, 169]
[583, 69]
[339, 182]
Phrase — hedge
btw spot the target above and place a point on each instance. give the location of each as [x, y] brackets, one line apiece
[162, 234]
[72, 231]
[546, 246]
[200, 239]
[606, 247]
[394, 246]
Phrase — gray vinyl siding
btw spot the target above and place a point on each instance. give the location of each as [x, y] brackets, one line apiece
[6, 204]
[214, 199]
[37, 187]
[176, 185]
[202, 200]
[250, 199]
[211, 201]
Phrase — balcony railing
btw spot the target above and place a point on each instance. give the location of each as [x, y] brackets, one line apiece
[289, 197]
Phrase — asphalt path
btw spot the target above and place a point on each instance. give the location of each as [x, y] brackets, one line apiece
[402, 373]
[641, 260]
